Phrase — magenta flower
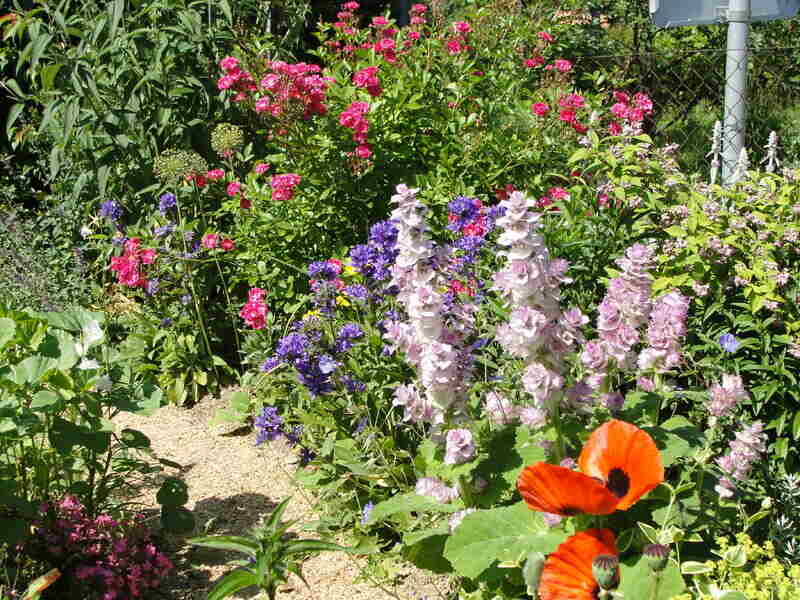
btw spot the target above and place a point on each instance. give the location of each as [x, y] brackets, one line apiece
[210, 240]
[234, 187]
[540, 109]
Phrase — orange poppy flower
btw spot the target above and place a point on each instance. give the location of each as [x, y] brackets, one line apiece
[619, 464]
[561, 491]
[625, 458]
[567, 573]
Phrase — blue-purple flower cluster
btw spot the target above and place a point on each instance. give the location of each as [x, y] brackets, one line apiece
[166, 203]
[270, 426]
[111, 211]
[374, 259]
[316, 359]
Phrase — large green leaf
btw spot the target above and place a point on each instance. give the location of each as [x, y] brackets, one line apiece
[676, 437]
[232, 582]
[637, 579]
[405, 503]
[33, 368]
[501, 534]
[7, 329]
[227, 542]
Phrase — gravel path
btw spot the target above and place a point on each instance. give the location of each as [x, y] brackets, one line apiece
[232, 484]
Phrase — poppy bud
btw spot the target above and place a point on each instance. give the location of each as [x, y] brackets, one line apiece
[656, 555]
[605, 569]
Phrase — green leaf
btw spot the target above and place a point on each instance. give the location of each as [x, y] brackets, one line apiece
[500, 534]
[675, 438]
[233, 543]
[232, 582]
[8, 328]
[13, 115]
[174, 492]
[691, 567]
[177, 519]
[44, 399]
[406, 503]
[48, 75]
[638, 579]
[32, 369]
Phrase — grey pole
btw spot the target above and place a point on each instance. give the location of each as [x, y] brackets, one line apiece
[735, 86]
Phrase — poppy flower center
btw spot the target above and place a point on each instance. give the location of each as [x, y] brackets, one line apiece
[569, 511]
[618, 482]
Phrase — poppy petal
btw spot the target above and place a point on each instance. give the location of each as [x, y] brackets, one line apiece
[625, 458]
[567, 573]
[561, 491]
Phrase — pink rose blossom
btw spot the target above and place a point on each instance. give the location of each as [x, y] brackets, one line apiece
[540, 109]
[210, 240]
[215, 174]
[563, 65]
[234, 187]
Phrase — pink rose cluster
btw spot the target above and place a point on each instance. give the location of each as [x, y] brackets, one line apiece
[347, 21]
[109, 558]
[554, 194]
[212, 240]
[367, 79]
[629, 111]
[569, 105]
[291, 89]
[283, 186]
[460, 41]
[354, 118]
[127, 266]
[254, 312]
[235, 79]
[418, 14]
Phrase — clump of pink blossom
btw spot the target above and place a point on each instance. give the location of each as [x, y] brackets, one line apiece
[128, 266]
[367, 78]
[666, 328]
[436, 489]
[283, 186]
[727, 394]
[459, 447]
[744, 451]
[254, 312]
[100, 557]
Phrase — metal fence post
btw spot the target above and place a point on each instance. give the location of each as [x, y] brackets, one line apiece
[735, 86]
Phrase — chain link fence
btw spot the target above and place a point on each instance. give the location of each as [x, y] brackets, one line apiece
[688, 89]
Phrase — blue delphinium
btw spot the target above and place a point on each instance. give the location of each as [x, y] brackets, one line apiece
[166, 203]
[111, 210]
[728, 342]
[292, 346]
[347, 333]
[374, 259]
[151, 288]
[270, 363]
[322, 270]
[269, 425]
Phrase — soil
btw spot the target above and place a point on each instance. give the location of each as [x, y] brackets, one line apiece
[232, 485]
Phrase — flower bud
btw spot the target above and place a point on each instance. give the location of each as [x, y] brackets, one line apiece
[656, 555]
[605, 569]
